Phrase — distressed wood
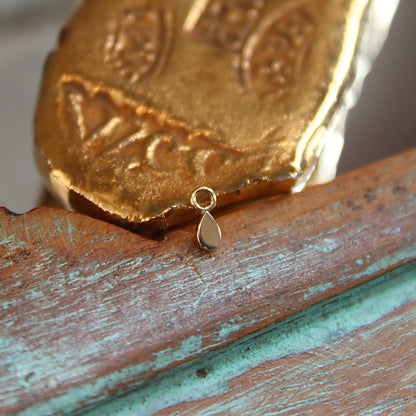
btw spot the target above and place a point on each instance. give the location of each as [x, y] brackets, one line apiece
[90, 310]
[351, 355]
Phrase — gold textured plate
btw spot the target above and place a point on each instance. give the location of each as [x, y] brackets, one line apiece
[146, 100]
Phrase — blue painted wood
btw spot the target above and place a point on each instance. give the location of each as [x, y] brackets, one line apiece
[90, 310]
[325, 341]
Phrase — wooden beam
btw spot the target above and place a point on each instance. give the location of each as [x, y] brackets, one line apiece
[350, 355]
[90, 310]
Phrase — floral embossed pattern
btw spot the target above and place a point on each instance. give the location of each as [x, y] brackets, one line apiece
[276, 53]
[140, 42]
[224, 23]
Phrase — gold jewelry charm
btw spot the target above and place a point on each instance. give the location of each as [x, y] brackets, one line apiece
[209, 232]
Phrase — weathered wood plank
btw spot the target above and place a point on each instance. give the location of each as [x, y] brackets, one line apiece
[89, 310]
[351, 355]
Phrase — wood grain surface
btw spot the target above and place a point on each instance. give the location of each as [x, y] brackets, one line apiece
[90, 310]
[351, 355]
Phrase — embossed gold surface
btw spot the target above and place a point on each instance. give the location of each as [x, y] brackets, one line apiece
[144, 101]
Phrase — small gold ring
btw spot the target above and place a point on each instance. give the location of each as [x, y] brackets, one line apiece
[213, 199]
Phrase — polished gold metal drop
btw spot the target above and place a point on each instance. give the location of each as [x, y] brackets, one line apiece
[208, 232]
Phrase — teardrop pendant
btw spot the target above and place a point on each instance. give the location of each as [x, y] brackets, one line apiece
[208, 233]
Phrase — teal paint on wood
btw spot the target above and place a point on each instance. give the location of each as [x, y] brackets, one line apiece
[374, 267]
[228, 328]
[107, 313]
[326, 245]
[321, 324]
[316, 290]
[188, 348]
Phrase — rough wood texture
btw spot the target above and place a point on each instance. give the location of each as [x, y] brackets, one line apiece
[351, 355]
[89, 310]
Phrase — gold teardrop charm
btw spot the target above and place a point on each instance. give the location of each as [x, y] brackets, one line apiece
[209, 232]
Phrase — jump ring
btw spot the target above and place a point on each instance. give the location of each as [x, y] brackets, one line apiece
[213, 199]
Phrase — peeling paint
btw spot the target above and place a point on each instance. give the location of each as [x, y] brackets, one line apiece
[327, 245]
[384, 263]
[78, 306]
[317, 290]
[188, 348]
[336, 206]
[319, 325]
[227, 329]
